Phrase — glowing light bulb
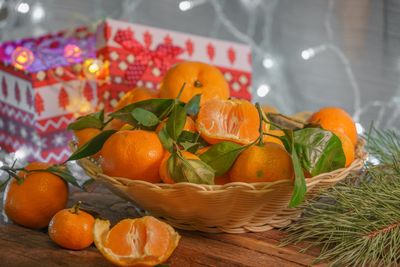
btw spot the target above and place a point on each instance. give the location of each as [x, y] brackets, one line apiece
[185, 5]
[92, 67]
[23, 8]
[308, 53]
[72, 52]
[359, 128]
[268, 63]
[263, 90]
[22, 58]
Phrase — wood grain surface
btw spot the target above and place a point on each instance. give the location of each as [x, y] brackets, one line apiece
[24, 247]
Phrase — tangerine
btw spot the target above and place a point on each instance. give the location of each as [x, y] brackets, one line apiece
[347, 146]
[336, 120]
[164, 172]
[199, 78]
[34, 201]
[72, 228]
[135, 155]
[269, 162]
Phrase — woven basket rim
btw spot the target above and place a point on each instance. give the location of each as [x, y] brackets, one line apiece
[86, 164]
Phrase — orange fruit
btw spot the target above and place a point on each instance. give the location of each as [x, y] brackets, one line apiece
[34, 202]
[135, 242]
[135, 155]
[199, 78]
[164, 173]
[268, 138]
[348, 147]
[72, 228]
[336, 120]
[135, 95]
[189, 125]
[267, 163]
[228, 120]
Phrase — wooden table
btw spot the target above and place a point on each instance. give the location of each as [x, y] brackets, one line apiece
[24, 247]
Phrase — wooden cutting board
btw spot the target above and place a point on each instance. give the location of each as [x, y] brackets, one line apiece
[24, 247]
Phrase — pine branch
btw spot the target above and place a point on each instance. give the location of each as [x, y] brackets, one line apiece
[358, 223]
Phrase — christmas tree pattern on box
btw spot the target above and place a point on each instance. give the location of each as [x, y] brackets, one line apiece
[42, 90]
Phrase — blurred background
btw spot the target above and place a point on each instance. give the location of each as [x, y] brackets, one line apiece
[306, 53]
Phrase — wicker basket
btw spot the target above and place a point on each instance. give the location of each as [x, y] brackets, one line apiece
[232, 208]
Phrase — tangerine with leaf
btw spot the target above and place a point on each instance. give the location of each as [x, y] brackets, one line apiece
[337, 120]
[72, 228]
[34, 198]
[267, 162]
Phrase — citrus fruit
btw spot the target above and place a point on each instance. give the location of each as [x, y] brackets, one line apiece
[348, 147]
[135, 154]
[135, 242]
[164, 173]
[337, 120]
[228, 120]
[33, 202]
[268, 138]
[189, 125]
[72, 228]
[135, 95]
[199, 78]
[267, 163]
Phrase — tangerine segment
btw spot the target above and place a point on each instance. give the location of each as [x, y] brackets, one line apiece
[228, 120]
[199, 78]
[132, 242]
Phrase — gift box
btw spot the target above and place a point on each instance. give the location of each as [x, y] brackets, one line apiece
[43, 89]
[139, 56]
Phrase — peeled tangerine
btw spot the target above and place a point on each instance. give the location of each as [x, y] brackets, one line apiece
[135, 242]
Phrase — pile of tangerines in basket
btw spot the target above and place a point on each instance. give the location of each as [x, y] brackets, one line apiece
[188, 131]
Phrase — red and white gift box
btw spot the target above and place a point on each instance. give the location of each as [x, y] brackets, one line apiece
[39, 100]
[140, 55]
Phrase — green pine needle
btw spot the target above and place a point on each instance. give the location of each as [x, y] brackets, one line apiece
[357, 223]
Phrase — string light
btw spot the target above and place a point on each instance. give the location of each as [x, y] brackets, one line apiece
[185, 5]
[92, 68]
[22, 58]
[72, 52]
[263, 90]
[23, 8]
[268, 63]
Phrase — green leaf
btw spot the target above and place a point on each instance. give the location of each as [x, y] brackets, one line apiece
[319, 150]
[165, 139]
[190, 170]
[62, 172]
[94, 120]
[93, 146]
[144, 117]
[176, 121]
[300, 187]
[221, 156]
[159, 106]
[193, 106]
[191, 141]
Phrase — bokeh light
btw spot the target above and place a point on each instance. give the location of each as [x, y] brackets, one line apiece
[22, 58]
